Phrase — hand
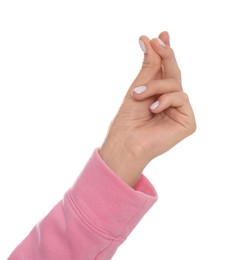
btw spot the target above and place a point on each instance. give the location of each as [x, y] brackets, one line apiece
[154, 116]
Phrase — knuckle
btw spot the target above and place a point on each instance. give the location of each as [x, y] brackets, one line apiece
[185, 96]
[192, 128]
[190, 125]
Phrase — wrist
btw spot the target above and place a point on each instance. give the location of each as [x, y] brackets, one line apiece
[121, 160]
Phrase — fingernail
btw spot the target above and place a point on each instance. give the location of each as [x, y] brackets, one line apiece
[140, 89]
[161, 42]
[155, 105]
[142, 46]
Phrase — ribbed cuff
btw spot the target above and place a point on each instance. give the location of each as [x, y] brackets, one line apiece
[106, 202]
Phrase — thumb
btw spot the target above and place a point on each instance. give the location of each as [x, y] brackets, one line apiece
[151, 64]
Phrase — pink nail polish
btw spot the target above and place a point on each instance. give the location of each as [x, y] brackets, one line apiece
[155, 105]
[142, 46]
[161, 42]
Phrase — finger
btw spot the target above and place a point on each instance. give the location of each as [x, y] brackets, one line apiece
[165, 37]
[151, 65]
[156, 87]
[170, 67]
[172, 100]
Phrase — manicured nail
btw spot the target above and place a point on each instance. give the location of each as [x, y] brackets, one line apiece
[161, 42]
[155, 105]
[140, 89]
[142, 46]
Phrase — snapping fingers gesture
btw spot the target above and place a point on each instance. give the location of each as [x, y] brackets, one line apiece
[155, 115]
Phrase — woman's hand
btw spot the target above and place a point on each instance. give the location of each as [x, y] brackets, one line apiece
[154, 116]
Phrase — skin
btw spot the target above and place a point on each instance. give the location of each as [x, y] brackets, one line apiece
[138, 133]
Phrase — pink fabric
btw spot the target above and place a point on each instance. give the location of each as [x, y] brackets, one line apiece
[95, 216]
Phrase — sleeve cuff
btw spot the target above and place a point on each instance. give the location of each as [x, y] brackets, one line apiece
[108, 203]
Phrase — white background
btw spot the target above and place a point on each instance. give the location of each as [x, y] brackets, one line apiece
[64, 68]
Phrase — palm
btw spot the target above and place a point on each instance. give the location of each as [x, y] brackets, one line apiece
[153, 132]
[160, 132]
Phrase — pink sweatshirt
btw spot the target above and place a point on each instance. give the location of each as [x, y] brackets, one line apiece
[95, 216]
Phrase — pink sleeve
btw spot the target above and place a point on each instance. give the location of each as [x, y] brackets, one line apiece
[95, 216]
